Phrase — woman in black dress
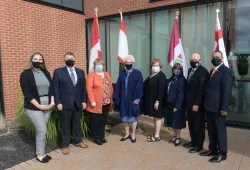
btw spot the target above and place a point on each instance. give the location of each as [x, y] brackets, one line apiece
[154, 87]
[175, 117]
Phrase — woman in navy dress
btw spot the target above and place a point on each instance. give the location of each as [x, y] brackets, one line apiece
[128, 94]
[175, 117]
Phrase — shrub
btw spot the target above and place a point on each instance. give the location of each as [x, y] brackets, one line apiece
[53, 127]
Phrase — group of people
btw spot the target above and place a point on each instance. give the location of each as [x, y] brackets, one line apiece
[203, 95]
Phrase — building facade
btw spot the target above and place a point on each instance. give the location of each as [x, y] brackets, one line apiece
[53, 27]
[149, 26]
[28, 27]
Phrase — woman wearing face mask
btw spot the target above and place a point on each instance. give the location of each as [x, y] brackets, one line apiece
[154, 88]
[100, 93]
[175, 117]
[36, 86]
[128, 94]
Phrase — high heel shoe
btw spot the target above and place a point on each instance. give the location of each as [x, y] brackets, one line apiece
[177, 142]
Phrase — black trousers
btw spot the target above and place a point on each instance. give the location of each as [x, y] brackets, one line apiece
[196, 124]
[98, 123]
[217, 132]
[71, 116]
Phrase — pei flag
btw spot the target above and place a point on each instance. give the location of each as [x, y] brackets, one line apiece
[123, 41]
[219, 42]
[176, 53]
[95, 43]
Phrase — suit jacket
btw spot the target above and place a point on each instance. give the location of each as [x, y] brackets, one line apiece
[196, 87]
[65, 92]
[218, 90]
[176, 91]
[95, 91]
[29, 88]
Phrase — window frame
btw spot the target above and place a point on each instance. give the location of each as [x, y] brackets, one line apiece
[40, 2]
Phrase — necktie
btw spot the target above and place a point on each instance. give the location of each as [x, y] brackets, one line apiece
[191, 74]
[72, 76]
[214, 70]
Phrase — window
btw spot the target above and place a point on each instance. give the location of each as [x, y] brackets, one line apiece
[137, 30]
[73, 5]
[162, 25]
[198, 30]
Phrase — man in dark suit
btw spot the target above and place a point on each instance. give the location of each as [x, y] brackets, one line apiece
[216, 102]
[70, 99]
[197, 79]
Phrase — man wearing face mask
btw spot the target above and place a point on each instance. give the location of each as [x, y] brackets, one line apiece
[217, 96]
[70, 99]
[197, 79]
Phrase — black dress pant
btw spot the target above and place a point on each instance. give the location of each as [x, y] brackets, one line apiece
[217, 132]
[98, 123]
[196, 124]
[71, 116]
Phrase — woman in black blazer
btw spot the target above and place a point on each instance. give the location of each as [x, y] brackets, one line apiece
[35, 82]
[176, 89]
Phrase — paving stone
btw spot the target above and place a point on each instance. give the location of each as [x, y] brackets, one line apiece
[143, 155]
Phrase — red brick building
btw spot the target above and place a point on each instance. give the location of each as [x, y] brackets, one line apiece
[28, 26]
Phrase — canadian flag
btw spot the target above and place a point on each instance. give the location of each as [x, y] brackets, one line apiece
[176, 53]
[95, 44]
[123, 41]
[219, 42]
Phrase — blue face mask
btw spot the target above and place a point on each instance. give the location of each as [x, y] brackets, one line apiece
[177, 72]
[99, 68]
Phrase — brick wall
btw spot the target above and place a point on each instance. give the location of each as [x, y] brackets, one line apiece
[111, 7]
[26, 28]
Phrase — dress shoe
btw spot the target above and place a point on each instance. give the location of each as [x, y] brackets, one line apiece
[133, 140]
[81, 145]
[123, 139]
[104, 141]
[44, 160]
[195, 149]
[189, 144]
[177, 142]
[98, 142]
[218, 158]
[208, 153]
[48, 157]
[65, 151]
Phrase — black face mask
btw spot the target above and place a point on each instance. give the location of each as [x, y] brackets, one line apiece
[128, 66]
[70, 63]
[37, 64]
[194, 64]
[216, 61]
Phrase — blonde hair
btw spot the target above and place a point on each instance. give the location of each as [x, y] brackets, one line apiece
[98, 61]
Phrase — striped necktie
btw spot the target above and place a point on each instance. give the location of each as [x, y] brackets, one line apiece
[72, 76]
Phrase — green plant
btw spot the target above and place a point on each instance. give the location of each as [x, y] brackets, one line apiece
[242, 64]
[233, 101]
[53, 126]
